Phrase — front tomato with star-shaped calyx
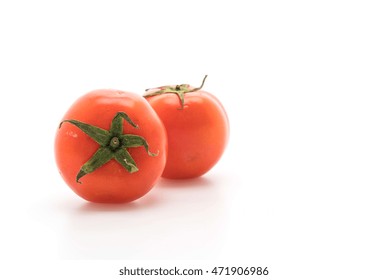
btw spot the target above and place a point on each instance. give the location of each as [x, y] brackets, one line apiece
[111, 146]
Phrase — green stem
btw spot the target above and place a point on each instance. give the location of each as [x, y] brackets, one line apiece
[179, 90]
[113, 144]
[203, 82]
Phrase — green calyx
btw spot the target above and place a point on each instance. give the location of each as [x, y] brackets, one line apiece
[113, 144]
[179, 90]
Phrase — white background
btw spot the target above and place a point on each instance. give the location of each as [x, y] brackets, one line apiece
[302, 186]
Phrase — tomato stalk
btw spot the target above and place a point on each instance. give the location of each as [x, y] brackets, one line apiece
[179, 90]
[113, 144]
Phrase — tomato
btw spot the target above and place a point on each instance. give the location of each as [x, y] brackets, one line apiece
[197, 128]
[110, 146]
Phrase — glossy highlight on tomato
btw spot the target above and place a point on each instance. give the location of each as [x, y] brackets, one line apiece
[111, 146]
[197, 128]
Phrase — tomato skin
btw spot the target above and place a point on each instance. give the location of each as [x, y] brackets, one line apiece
[197, 134]
[110, 183]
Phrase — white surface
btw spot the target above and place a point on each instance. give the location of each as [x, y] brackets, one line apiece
[302, 187]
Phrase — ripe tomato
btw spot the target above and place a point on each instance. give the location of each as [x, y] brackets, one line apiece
[197, 128]
[111, 146]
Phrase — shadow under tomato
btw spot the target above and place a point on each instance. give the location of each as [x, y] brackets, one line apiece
[199, 182]
[157, 226]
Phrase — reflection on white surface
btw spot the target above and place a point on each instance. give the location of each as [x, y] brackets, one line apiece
[176, 220]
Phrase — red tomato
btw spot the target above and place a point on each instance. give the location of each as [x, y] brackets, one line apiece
[197, 128]
[111, 146]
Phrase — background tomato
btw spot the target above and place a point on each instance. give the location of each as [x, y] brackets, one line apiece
[197, 128]
[111, 183]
